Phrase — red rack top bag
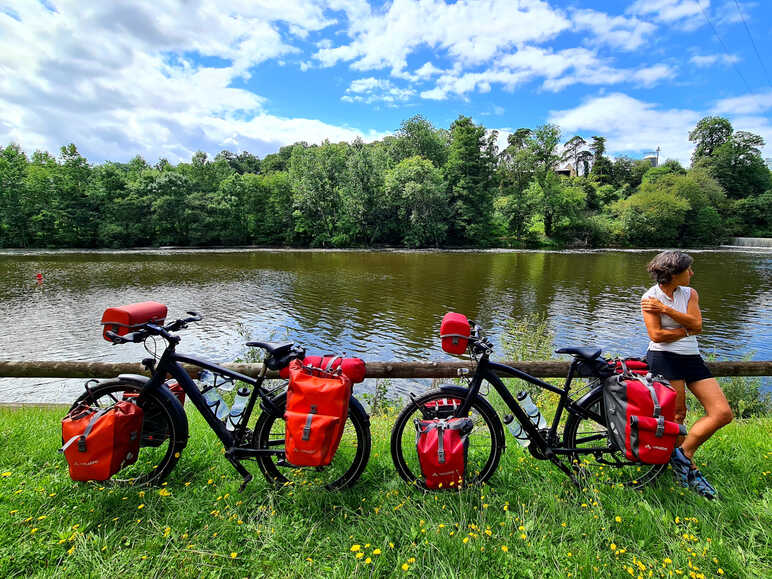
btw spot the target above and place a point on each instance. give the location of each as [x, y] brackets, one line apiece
[125, 319]
[454, 331]
[354, 368]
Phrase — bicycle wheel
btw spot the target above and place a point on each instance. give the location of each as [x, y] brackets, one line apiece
[164, 435]
[486, 441]
[347, 465]
[606, 463]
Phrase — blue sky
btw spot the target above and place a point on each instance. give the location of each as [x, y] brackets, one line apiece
[166, 78]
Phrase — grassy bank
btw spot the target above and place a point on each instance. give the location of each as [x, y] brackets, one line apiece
[529, 522]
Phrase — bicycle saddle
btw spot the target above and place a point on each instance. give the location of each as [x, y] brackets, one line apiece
[586, 353]
[274, 349]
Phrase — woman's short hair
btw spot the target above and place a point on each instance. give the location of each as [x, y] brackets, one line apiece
[667, 264]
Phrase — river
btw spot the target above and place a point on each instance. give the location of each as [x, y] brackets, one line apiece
[379, 305]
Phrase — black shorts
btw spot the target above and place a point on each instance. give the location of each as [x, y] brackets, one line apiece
[689, 368]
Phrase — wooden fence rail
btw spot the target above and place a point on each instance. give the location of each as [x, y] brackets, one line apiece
[542, 369]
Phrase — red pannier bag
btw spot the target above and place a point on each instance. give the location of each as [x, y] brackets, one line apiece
[316, 413]
[100, 442]
[640, 413]
[454, 331]
[125, 319]
[442, 446]
[354, 368]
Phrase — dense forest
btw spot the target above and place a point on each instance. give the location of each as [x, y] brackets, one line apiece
[421, 187]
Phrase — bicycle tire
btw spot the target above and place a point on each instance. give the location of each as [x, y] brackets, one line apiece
[486, 441]
[164, 429]
[346, 467]
[587, 433]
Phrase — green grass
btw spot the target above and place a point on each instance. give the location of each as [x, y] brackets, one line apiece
[528, 522]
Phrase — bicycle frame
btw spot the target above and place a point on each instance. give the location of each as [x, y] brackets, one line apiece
[491, 371]
[171, 363]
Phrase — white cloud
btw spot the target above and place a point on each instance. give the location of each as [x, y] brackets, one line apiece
[631, 125]
[371, 90]
[617, 31]
[686, 14]
[119, 78]
[470, 31]
[707, 60]
[558, 69]
[750, 104]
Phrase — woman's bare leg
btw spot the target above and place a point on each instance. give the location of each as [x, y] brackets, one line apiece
[717, 414]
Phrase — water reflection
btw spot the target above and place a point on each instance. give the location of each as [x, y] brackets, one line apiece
[377, 305]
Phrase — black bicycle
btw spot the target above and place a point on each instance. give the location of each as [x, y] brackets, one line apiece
[583, 448]
[165, 423]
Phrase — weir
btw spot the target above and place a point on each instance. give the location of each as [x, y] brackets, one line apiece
[750, 242]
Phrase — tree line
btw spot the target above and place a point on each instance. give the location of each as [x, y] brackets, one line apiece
[421, 187]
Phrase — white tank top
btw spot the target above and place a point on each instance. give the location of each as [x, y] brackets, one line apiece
[681, 295]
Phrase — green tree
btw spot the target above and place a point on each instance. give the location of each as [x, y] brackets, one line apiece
[737, 164]
[315, 175]
[709, 134]
[14, 219]
[647, 219]
[417, 136]
[417, 189]
[571, 151]
[469, 177]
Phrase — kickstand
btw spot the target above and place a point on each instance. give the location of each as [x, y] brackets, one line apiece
[242, 471]
[566, 469]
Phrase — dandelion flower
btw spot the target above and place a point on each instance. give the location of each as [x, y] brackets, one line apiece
[234, 555]
[377, 552]
[360, 555]
[6, 473]
[504, 548]
[405, 566]
[142, 506]
[613, 546]
[355, 548]
[618, 519]
[368, 561]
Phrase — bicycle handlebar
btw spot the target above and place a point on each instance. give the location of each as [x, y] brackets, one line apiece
[150, 329]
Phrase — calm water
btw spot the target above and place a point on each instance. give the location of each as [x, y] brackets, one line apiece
[377, 305]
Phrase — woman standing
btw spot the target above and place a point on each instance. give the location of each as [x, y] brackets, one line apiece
[671, 311]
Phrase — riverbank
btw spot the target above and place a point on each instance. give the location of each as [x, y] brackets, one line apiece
[528, 522]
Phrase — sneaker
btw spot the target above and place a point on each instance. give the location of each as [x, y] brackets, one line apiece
[682, 467]
[700, 485]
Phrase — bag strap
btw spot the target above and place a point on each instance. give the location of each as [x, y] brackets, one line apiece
[441, 426]
[646, 381]
[307, 427]
[660, 427]
[81, 438]
[332, 362]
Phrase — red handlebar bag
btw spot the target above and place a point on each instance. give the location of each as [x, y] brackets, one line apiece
[100, 442]
[442, 446]
[354, 368]
[316, 413]
[454, 332]
[125, 319]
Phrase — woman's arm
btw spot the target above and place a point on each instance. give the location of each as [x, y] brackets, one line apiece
[691, 321]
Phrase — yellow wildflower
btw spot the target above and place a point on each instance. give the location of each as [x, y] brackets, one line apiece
[377, 552]
[405, 566]
[355, 548]
[618, 519]
[504, 548]
[234, 555]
